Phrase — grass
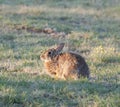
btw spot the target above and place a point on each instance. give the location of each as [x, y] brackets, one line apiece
[90, 28]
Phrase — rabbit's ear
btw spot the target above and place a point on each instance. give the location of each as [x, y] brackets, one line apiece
[60, 47]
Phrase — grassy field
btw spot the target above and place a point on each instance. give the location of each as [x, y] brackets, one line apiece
[88, 27]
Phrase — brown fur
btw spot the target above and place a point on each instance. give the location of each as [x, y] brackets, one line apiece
[64, 65]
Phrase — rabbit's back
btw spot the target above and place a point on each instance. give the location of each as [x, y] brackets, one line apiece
[72, 65]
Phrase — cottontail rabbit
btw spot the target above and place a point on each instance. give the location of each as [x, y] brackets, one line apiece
[64, 65]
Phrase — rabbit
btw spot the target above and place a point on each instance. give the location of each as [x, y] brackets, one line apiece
[64, 66]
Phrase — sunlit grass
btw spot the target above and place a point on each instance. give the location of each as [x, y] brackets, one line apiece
[103, 54]
[90, 28]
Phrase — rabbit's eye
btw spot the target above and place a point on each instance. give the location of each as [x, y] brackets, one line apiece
[49, 53]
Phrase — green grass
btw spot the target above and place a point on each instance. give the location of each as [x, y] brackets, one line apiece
[92, 29]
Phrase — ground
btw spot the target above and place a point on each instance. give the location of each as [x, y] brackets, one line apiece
[88, 27]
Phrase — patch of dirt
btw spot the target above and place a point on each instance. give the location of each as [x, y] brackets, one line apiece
[47, 30]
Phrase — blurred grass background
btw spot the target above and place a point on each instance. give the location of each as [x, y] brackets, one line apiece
[88, 27]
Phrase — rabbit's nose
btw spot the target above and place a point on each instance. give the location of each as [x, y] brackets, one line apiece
[41, 56]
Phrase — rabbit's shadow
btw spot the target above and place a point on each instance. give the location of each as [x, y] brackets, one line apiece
[49, 85]
[58, 91]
